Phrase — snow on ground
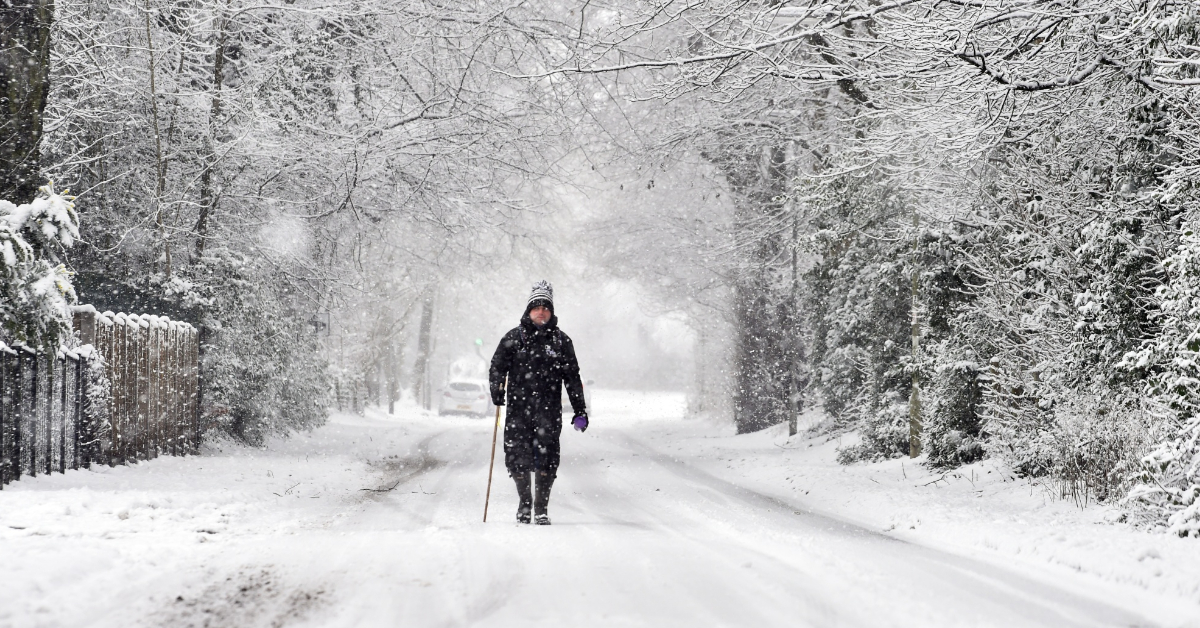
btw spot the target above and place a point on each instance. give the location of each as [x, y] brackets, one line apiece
[659, 520]
[69, 542]
[979, 510]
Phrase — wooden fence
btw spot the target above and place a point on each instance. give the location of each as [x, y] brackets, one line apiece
[46, 423]
[152, 363]
[130, 392]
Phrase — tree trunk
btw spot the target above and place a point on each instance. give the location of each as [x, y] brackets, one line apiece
[424, 346]
[394, 356]
[207, 195]
[24, 89]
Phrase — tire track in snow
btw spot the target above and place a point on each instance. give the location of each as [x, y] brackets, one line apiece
[253, 596]
[686, 575]
[450, 473]
[400, 470]
[1031, 599]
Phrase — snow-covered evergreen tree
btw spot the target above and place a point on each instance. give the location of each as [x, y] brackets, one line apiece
[35, 287]
[1168, 491]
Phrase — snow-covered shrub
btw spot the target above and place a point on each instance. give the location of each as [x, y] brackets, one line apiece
[1095, 441]
[952, 427]
[1057, 297]
[263, 370]
[36, 294]
[96, 439]
[1101, 428]
[1168, 483]
[884, 432]
[951, 376]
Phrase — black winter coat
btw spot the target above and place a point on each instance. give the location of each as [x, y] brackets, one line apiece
[536, 363]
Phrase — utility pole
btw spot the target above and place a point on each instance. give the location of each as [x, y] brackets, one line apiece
[914, 400]
[393, 386]
[792, 333]
[421, 375]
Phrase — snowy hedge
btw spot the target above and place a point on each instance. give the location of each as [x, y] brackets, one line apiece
[1169, 482]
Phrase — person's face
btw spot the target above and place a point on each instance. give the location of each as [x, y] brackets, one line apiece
[540, 315]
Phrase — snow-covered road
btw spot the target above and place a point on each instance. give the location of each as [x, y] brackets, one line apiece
[288, 536]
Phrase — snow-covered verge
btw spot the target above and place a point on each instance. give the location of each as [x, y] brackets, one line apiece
[980, 510]
[103, 546]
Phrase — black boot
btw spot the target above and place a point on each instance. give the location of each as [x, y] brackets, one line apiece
[526, 495]
[545, 480]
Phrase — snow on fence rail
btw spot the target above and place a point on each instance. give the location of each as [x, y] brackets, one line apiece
[152, 364]
[130, 392]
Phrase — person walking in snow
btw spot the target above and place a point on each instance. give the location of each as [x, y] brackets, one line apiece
[536, 358]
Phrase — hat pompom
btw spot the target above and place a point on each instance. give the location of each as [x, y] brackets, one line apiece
[542, 291]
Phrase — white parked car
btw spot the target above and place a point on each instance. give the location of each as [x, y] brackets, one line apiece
[466, 396]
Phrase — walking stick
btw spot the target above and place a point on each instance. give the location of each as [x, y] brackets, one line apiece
[491, 465]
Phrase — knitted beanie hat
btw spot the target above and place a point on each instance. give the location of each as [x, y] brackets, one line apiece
[542, 291]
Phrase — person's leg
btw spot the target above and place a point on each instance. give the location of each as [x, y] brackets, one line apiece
[546, 458]
[541, 501]
[525, 493]
[518, 459]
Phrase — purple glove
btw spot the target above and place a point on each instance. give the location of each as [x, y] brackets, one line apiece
[580, 421]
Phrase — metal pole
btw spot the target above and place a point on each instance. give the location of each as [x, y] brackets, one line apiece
[491, 464]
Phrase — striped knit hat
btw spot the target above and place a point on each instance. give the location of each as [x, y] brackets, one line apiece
[542, 291]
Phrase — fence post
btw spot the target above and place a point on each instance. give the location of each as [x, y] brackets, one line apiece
[158, 375]
[117, 369]
[195, 390]
[6, 417]
[18, 399]
[102, 450]
[77, 407]
[48, 413]
[182, 419]
[152, 365]
[144, 388]
[60, 366]
[33, 416]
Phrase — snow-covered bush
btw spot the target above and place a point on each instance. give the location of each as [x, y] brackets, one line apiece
[1168, 483]
[952, 427]
[884, 432]
[263, 370]
[858, 310]
[952, 378]
[1095, 441]
[96, 440]
[36, 294]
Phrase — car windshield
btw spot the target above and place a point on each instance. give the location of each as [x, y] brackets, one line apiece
[464, 386]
